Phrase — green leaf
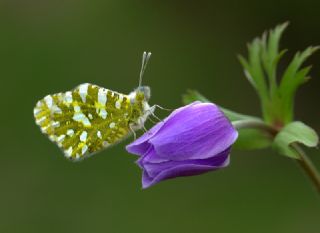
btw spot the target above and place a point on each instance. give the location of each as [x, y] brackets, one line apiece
[253, 68]
[248, 139]
[292, 78]
[252, 139]
[260, 68]
[270, 54]
[294, 66]
[295, 132]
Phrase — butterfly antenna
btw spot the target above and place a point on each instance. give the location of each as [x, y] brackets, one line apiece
[145, 59]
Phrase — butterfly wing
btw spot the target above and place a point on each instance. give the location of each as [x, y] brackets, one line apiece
[85, 120]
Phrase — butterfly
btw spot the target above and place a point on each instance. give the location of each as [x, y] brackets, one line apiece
[90, 118]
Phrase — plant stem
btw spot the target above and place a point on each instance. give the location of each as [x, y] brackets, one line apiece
[304, 161]
[307, 165]
[255, 124]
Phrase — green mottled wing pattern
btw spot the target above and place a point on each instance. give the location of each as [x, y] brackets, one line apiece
[85, 120]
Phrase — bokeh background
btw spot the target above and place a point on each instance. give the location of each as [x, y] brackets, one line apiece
[52, 46]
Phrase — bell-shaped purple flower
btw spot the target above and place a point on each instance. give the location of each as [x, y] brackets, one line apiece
[193, 139]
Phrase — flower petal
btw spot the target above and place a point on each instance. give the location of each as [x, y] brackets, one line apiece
[141, 145]
[197, 131]
[184, 169]
[153, 169]
[151, 157]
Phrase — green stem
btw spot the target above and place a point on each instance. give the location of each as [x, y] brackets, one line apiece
[304, 161]
[307, 165]
[255, 124]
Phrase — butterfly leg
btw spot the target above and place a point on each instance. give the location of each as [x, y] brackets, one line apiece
[162, 108]
[144, 129]
[150, 119]
[151, 111]
[133, 132]
[153, 108]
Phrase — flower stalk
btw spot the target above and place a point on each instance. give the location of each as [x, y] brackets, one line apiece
[309, 168]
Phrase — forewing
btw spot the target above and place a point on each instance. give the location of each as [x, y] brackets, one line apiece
[85, 120]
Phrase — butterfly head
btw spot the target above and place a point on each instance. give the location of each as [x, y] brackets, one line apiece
[143, 93]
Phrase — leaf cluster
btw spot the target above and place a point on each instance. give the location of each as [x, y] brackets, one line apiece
[261, 69]
[276, 96]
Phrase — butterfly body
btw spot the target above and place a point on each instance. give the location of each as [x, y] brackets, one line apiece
[90, 118]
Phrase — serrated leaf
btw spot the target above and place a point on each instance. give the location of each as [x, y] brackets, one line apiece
[295, 132]
[260, 68]
[246, 68]
[292, 78]
[279, 56]
[254, 69]
[294, 66]
[288, 93]
[270, 54]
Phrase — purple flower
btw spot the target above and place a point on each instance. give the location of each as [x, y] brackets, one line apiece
[193, 139]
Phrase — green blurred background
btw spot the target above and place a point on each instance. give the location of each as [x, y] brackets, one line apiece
[52, 46]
